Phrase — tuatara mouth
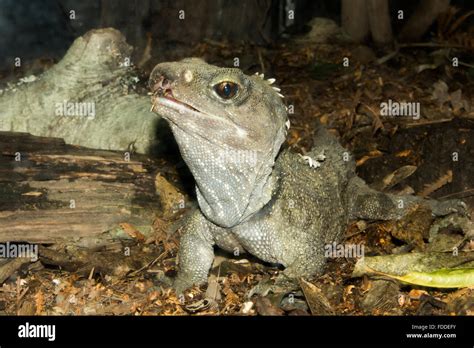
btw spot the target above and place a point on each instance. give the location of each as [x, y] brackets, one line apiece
[165, 103]
[163, 88]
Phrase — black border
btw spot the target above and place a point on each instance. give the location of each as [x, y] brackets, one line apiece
[242, 331]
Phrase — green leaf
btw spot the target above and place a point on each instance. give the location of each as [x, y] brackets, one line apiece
[443, 278]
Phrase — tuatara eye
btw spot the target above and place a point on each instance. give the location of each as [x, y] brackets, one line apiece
[226, 89]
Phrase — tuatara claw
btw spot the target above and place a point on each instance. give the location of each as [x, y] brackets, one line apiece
[443, 208]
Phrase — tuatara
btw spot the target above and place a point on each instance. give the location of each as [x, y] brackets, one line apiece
[277, 205]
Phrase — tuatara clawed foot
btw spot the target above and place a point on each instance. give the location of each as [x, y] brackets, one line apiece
[443, 208]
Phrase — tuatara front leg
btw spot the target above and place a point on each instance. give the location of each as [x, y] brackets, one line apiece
[196, 253]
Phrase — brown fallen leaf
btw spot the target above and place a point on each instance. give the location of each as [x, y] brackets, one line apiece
[416, 294]
[348, 289]
[370, 155]
[233, 302]
[395, 177]
[132, 231]
[430, 188]
[404, 153]
[317, 301]
[265, 307]
[382, 298]
[171, 199]
[39, 302]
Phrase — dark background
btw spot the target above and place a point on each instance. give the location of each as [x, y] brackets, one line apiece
[42, 28]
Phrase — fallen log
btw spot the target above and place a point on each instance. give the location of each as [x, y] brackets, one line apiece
[52, 192]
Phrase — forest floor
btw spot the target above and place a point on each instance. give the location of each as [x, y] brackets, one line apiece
[346, 99]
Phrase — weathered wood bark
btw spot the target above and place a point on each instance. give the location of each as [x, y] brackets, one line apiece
[52, 192]
[10, 266]
[379, 21]
[355, 22]
[90, 98]
[420, 21]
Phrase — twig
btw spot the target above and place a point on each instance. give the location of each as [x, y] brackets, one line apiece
[23, 293]
[430, 44]
[91, 274]
[424, 123]
[216, 43]
[149, 264]
[458, 193]
[440, 182]
[466, 65]
[377, 122]
[387, 57]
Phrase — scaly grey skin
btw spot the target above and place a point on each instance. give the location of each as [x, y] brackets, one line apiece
[229, 128]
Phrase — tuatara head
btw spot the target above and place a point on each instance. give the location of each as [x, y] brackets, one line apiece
[229, 127]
